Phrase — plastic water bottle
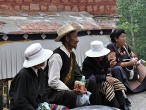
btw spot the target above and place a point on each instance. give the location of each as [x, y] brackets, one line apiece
[83, 80]
[82, 84]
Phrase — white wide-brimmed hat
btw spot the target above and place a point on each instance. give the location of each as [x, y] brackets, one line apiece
[35, 55]
[65, 29]
[97, 49]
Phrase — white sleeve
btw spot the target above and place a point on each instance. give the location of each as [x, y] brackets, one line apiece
[55, 64]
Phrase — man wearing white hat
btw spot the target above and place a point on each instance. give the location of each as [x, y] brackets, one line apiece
[96, 65]
[27, 88]
[63, 69]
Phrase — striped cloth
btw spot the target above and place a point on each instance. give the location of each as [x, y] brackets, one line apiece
[108, 89]
[58, 107]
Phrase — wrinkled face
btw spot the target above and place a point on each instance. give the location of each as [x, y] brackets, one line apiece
[73, 40]
[121, 40]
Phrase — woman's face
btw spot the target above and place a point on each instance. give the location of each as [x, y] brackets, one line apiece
[121, 40]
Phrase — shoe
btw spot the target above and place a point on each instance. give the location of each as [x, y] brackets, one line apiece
[124, 108]
[128, 103]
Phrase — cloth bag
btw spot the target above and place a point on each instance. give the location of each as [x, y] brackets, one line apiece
[83, 99]
[132, 72]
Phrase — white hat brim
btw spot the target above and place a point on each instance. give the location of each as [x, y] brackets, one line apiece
[101, 53]
[45, 54]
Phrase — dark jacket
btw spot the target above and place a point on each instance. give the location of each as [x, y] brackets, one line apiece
[90, 67]
[119, 57]
[27, 90]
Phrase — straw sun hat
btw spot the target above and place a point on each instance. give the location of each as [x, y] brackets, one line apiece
[97, 49]
[65, 29]
[35, 54]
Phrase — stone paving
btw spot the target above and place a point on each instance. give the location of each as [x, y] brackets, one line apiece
[138, 101]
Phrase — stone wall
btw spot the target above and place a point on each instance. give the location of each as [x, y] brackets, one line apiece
[95, 7]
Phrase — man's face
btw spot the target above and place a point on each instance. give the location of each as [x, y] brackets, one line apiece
[73, 40]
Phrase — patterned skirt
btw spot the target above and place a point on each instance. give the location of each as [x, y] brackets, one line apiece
[109, 89]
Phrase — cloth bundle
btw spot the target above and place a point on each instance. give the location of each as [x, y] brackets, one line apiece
[46, 106]
[83, 99]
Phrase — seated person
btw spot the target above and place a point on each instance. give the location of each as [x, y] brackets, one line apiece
[63, 70]
[96, 65]
[123, 53]
[27, 88]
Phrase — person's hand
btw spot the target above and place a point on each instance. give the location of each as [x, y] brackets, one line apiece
[113, 63]
[133, 62]
[112, 58]
[136, 61]
[110, 80]
[79, 92]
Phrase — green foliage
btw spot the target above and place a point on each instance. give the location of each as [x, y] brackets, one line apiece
[132, 18]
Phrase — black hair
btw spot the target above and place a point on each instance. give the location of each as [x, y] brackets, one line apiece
[115, 34]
